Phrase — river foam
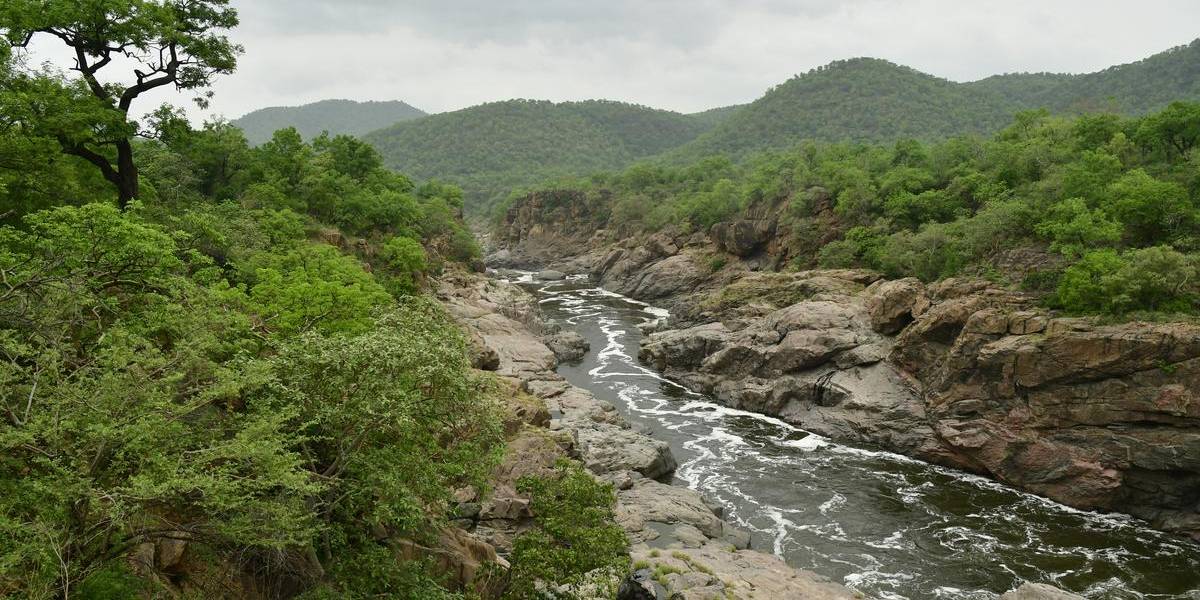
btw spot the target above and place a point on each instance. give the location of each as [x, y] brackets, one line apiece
[888, 525]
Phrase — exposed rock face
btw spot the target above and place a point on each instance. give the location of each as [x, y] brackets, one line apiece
[960, 372]
[743, 237]
[1094, 416]
[817, 364]
[557, 419]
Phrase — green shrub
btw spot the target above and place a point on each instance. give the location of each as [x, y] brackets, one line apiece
[313, 287]
[574, 532]
[1157, 279]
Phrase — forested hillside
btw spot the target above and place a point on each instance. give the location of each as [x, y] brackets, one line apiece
[875, 100]
[335, 116]
[859, 99]
[492, 148]
[1098, 214]
[1136, 88]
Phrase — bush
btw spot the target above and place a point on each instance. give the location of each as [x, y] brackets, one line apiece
[574, 532]
[404, 259]
[123, 423]
[313, 287]
[1157, 279]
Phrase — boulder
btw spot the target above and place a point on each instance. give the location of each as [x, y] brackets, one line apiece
[894, 304]
[640, 585]
[742, 237]
[609, 448]
[651, 501]
[551, 275]
[568, 346]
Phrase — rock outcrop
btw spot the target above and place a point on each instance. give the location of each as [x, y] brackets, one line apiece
[969, 375]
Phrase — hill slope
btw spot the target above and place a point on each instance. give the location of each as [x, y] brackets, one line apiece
[859, 99]
[491, 148]
[1135, 88]
[334, 116]
[868, 99]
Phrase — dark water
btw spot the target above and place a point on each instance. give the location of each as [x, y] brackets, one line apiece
[885, 525]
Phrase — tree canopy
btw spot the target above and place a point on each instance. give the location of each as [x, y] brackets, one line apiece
[168, 42]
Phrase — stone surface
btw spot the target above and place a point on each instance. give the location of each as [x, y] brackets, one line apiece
[568, 346]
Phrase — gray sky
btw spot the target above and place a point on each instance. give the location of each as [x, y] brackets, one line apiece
[685, 55]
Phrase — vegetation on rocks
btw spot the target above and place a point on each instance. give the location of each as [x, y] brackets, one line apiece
[1111, 203]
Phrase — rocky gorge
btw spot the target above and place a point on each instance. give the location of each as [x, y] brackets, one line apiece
[682, 547]
[963, 372]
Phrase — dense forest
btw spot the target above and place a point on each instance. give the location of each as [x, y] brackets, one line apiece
[242, 355]
[1103, 210]
[492, 148]
[327, 116]
[874, 100]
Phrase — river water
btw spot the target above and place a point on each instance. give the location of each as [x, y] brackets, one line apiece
[885, 525]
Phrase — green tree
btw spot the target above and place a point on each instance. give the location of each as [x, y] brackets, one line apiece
[121, 423]
[313, 287]
[1073, 228]
[1152, 210]
[170, 42]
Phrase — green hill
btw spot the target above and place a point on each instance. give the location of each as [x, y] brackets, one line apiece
[1135, 88]
[334, 116]
[859, 99]
[866, 99]
[492, 148]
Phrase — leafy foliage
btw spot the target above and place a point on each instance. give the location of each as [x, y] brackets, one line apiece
[219, 364]
[574, 535]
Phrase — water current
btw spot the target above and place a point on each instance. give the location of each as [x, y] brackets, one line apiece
[883, 524]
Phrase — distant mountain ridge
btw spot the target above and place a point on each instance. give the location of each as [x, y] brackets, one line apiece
[491, 148]
[869, 99]
[335, 116]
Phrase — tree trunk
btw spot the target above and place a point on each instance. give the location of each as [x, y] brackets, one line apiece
[127, 175]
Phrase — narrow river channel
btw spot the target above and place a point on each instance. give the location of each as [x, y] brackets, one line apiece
[882, 524]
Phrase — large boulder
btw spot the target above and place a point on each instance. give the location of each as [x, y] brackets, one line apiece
[742, 237]
[568, 346]
[893, 304]
[609, 448]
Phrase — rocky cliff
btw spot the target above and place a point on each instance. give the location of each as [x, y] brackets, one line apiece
[963, 372]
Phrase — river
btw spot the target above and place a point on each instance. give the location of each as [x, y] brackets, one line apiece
[883, 524]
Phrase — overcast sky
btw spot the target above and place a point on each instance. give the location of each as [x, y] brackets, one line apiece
[684, 55]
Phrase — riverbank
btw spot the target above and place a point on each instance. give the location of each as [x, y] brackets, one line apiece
[679, 540]
[964, 373]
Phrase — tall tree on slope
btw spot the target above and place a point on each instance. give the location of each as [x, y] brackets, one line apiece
[162, 43]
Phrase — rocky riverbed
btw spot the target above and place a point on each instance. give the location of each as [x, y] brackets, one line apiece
[677, 534]
[963, 373]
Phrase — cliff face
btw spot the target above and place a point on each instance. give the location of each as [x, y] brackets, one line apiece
[961, 373]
